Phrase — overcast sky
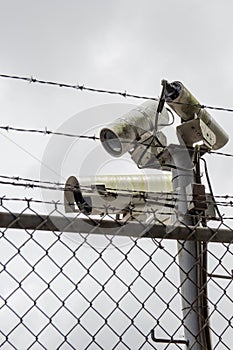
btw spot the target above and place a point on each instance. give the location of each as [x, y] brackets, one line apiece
[118, 45]
[115, 45]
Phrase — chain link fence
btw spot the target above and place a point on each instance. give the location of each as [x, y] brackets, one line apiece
[117, 266]
[74, 290]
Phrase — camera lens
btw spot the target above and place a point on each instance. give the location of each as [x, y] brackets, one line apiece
[111, 142]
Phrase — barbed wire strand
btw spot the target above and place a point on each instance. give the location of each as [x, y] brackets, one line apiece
[45, 131]
[77, 87]
[106, 209]
[62, 185]
[124, 94]
[150, 199]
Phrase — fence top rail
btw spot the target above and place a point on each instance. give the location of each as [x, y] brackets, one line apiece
[111, 227]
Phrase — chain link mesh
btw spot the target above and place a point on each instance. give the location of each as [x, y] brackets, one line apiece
[61, 290]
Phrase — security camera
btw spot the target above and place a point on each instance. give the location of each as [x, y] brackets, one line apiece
[137, 131]
[126, 196]
[197, 124]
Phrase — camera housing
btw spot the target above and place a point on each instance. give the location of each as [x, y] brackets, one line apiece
[197, 124]
[126, 132]
[124, 196]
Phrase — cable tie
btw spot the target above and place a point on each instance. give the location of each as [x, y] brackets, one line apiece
[124, 94]
[7, 128]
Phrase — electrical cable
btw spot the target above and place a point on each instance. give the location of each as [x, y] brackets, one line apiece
[210, 188]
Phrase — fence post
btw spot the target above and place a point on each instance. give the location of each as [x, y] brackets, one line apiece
[183, 176]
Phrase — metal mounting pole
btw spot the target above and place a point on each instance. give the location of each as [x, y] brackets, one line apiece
[202, 251]
[183, 176]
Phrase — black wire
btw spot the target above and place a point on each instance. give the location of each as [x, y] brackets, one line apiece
[220, 153]
[120, 93]
[77, 87]
[144, 195]
[48, 132]
[173, 118]
[160, 105]
[93, 137]
[154, 136]
[210, 187]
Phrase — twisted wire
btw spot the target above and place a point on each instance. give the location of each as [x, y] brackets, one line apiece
[124, 93]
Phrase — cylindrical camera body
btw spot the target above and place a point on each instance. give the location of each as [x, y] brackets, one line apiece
[180, 99]
[120, 136]
[96, 195]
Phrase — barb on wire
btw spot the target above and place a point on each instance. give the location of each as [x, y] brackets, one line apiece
[124, 93]
[45, 131]
[61, 185]
[114, 210]
[30, 200]
[160, 199]
[145, 195]
[77, 87]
